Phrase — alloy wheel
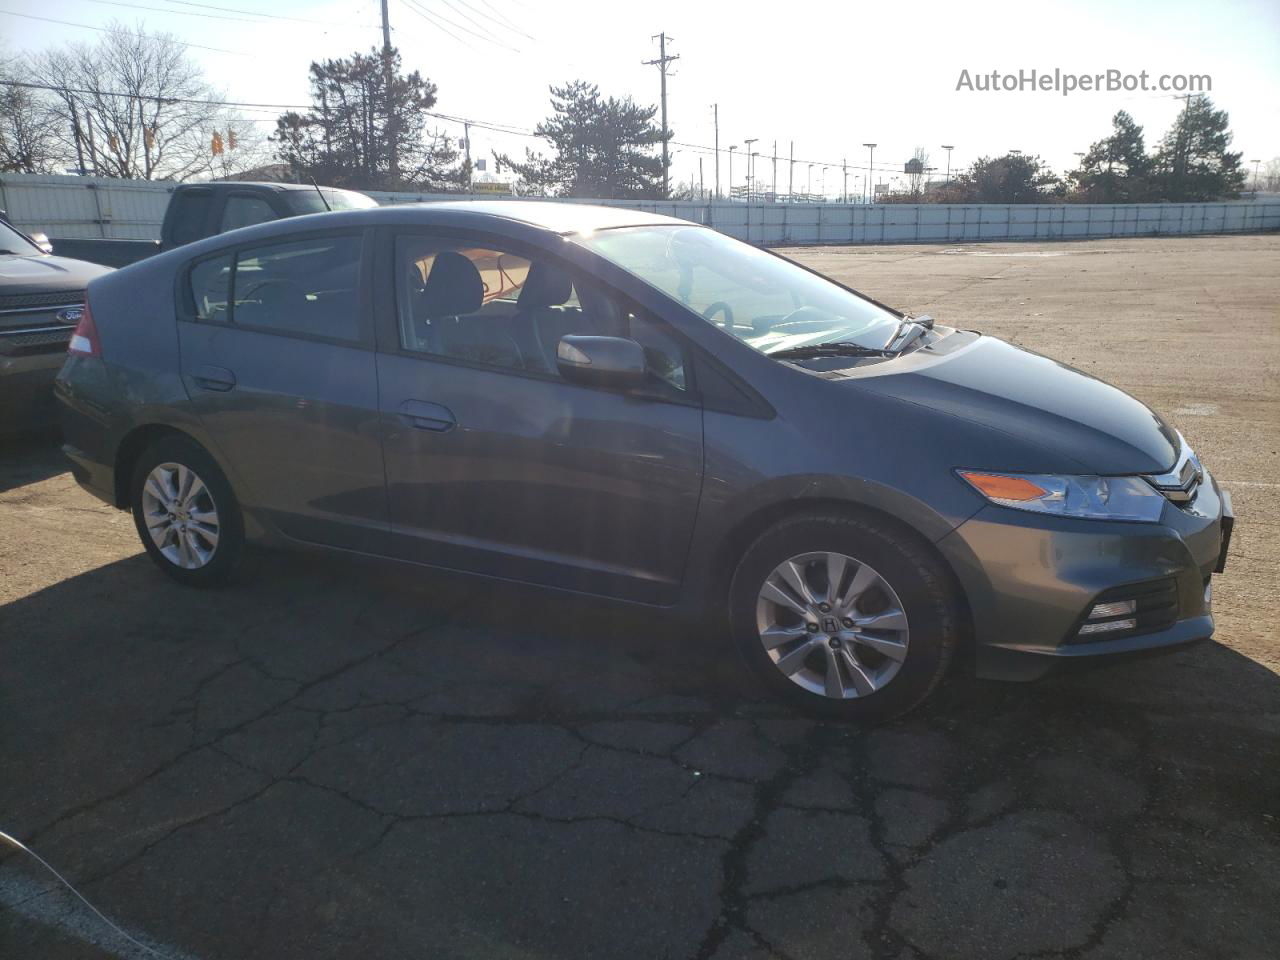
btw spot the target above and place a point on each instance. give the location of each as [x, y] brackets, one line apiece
[180, 515]
[832, 625]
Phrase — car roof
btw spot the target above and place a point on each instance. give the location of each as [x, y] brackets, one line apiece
[558, 216]
[260, 185]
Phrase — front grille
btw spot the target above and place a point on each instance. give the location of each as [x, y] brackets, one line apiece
[25, 301]
[1128, 611]
[35, 340]
[1180, 484]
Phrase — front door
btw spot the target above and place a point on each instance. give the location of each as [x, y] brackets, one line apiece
[277, 359]
[494, 463]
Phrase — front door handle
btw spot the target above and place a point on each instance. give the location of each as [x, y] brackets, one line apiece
[213, 378]
[427, 416]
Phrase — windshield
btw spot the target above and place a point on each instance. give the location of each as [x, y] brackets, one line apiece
[765, 301]
[308, 201]
[11, 241]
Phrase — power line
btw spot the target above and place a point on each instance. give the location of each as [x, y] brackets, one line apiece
[431, 19]
[510, 25]
[508, 129]
[269, 16]
[459, 26]
[180, 13]
[86, 26]
[466, 16]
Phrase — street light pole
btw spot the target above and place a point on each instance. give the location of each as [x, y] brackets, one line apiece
[1255, 178]
[824, 184]
[808, 183]
[871, 169]
[732, 147]
[948, 147]
[844, 190]
[715, 109]
[750, 166]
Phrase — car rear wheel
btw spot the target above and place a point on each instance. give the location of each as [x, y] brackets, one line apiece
[844, 616]
[185, 513]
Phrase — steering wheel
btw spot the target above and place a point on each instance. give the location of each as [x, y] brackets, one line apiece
[719, 307]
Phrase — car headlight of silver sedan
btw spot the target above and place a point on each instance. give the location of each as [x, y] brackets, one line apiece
[1084, 497]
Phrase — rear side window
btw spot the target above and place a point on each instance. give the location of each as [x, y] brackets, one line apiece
[242, 211]
[308, 286]
[189, 209]
[211, 289]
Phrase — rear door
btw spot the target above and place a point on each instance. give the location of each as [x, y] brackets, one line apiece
[497, 465]
[277, 356]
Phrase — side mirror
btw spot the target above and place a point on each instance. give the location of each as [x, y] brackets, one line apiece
[601, 361]
[42, 241]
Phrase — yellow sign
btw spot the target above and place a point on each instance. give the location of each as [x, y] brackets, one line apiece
[490, 186]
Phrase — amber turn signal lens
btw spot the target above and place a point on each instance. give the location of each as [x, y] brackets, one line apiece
[998, 487]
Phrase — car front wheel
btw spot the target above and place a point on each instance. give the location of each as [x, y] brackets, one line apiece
[844, 616]
[186, 515]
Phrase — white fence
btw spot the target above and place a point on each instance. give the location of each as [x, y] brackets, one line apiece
[68, 206]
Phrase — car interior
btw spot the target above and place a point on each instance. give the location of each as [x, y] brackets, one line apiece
[490, 307]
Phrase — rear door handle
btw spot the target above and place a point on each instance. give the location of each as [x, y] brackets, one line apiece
[427, 416]
[213, 378]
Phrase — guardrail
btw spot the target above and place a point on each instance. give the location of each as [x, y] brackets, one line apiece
[89, 207]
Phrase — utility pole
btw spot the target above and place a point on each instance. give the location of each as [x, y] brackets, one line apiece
[715, 109]
[702, 187]
[1255, 177]
[791, 174]
[661, 64]
[775, 171]
[392, 133]
[732, 147]
[466, 140]
[871, 169]
[750, 166]
[844, 191]
[948, 147]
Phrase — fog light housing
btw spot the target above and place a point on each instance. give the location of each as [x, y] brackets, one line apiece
[1117, 608]
[1107, 626]
[1125, 611]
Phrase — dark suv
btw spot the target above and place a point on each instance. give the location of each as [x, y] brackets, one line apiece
[40, 301]
[621, 404]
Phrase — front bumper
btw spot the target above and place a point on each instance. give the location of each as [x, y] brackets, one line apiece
[1030, 580]
[26, 391]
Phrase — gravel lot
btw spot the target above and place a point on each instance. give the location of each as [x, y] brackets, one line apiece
[337, 759]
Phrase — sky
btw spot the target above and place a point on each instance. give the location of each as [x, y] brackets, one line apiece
[828, 76]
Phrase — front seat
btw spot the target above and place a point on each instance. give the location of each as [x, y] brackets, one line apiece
[444, 321]
[545, 289]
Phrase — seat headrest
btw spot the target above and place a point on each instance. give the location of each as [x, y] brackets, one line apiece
[453, 287]
[545, 286]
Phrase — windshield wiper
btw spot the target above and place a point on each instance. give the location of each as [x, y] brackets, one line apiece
[910, 329]
[835, 348]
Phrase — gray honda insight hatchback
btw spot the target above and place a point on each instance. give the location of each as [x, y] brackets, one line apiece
[627, 405]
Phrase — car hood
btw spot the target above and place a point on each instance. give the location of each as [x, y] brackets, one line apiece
[38, 273]
[1038, 400]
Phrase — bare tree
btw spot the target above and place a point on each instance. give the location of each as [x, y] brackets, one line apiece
[28, 127]
[135, 106]
[917, 170]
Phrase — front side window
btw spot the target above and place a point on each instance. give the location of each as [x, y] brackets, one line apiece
[242, 211]
[307, 286]
[765, 301]
[502, 309]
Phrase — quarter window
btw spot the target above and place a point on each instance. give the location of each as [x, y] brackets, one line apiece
[211, 289]
[308, 287]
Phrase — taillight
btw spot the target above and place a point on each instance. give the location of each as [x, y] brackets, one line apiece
[85, 339]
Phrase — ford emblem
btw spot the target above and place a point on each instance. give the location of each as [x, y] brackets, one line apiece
[71, 314]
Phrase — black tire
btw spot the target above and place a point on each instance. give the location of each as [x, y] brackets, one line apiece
[923, 586]
[225, 555]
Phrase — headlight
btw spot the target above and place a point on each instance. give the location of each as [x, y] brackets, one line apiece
[1089, 498]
